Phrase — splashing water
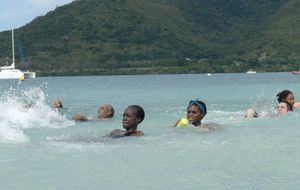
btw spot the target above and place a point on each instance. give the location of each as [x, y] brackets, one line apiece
[26, 109]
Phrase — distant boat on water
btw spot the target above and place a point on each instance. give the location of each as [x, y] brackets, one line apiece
[297, 72]
[251, 71]
[10, 72]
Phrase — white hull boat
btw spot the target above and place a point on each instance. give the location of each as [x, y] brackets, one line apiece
[10, 72]
[251, 71]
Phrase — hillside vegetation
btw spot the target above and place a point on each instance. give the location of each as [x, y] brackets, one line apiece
[161, 36]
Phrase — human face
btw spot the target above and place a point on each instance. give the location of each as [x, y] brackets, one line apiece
[290, 99]
[194, 115]
[282, 108]
[103, 112]
[130, 119]
[56, 104]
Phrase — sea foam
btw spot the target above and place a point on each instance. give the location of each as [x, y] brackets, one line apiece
[20, 110]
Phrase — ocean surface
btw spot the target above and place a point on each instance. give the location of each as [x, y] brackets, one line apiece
[43, 149]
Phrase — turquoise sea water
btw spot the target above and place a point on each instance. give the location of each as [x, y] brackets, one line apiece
[41, 148]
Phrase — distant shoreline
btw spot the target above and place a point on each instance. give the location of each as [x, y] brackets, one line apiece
[136, 71]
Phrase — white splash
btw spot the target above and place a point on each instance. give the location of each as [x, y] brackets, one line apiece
[26, 109]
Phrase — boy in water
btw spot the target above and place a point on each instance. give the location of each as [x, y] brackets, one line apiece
[283, 108]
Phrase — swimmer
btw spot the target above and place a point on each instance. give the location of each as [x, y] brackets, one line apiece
[288, 97]
[196, 111]
[105, 111]
[132, 117]
[283, 108]
[57, 104]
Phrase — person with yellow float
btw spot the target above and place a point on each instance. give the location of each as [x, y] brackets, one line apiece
[196, 110]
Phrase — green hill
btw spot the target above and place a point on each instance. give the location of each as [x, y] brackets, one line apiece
[161, 36]
[277, 44]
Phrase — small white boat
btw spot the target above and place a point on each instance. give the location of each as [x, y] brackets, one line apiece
[29, 74]
[6, 73]
[10, 72]
[251, 71]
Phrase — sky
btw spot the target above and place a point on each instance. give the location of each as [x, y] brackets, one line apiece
[17, 13]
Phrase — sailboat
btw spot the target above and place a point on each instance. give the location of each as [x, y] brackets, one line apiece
[10, 72]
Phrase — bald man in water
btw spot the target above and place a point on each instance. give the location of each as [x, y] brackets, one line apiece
[105, 111]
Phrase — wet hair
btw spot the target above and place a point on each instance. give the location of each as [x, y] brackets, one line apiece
[200, 105]
[289, 106]
[60, 104]
[139, 111]
[111, 109]
[281, 96]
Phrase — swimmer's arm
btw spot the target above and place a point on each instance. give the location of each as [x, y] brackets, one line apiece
[212, 126]
[176, 123]
[296, 105]
[138, 134]
[78, 117]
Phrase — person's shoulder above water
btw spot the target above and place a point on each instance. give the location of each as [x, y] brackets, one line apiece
[118, 133]
[210, 126]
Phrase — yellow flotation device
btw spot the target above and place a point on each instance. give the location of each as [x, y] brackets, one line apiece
[22, 78]
[183, 122]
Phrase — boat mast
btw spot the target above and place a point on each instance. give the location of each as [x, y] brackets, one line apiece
[13, 47]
